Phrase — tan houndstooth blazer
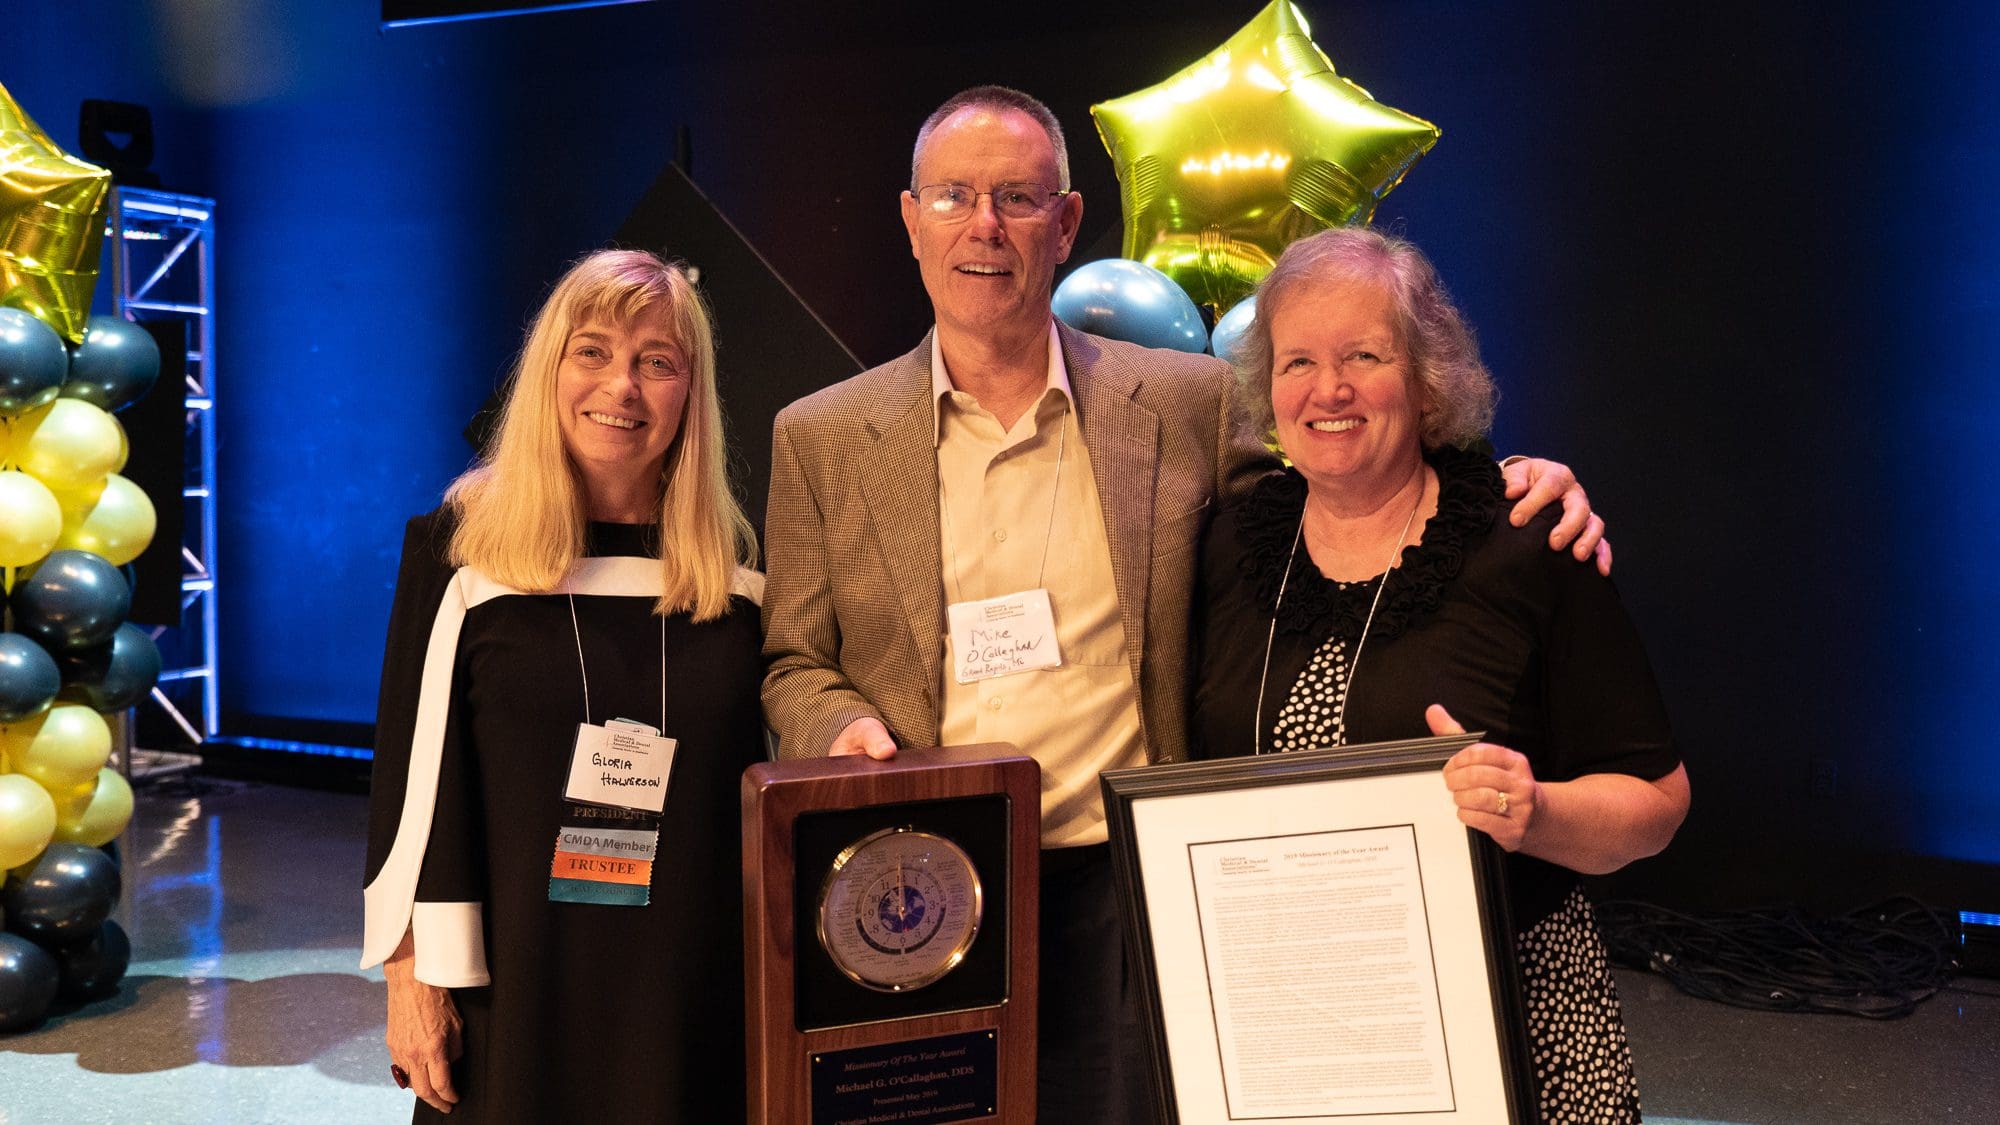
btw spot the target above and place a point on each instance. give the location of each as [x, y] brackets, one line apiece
[854, 601]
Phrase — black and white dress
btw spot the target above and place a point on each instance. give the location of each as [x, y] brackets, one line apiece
[1512, 638]
[573, 1011]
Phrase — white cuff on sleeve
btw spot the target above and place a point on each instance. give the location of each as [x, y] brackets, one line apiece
[450, 944]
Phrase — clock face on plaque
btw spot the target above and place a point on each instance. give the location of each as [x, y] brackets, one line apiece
[899, 909]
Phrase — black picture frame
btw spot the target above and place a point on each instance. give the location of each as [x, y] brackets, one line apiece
[1270, 801]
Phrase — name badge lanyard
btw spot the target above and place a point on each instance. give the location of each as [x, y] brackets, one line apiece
[1055, 494]
[606, 844]
[1354, 664]
[577, 631]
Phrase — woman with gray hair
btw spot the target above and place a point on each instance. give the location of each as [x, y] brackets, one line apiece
[1376, 590]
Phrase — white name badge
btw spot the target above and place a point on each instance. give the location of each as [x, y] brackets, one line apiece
[621, 764]
[1001, 636]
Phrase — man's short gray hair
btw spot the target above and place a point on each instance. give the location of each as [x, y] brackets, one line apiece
[994, 97]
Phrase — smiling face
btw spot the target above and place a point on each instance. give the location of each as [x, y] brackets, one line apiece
[990, 275]
[621, 390]
[1347, 410]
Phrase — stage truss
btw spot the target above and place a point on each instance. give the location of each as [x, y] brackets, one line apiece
[162, 267]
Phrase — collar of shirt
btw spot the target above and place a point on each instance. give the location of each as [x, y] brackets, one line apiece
[941, 380]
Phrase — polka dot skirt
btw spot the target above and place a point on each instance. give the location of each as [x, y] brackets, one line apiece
[1582, 1063]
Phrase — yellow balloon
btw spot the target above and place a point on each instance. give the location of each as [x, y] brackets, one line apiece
[116, 523]
[62, 748]
[70, 803]
[27, 820]
[1254, 145]
[98, 820]
[81, 498]
[67, 445]
[30, 519]
[124, 446]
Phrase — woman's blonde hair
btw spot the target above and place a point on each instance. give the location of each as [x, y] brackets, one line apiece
[522, 510]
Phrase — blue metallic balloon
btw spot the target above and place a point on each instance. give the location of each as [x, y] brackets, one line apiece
[115, 365]
[1127, 300]
[29, 678]
[115, 675]
[28, 980]
[73, 601]
[32, 362]
[1230, 328]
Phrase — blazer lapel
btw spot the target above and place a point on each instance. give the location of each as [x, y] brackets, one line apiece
[1123, 438]
[899, 480]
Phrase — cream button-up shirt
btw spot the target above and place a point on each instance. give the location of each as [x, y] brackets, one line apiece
[1018, 510]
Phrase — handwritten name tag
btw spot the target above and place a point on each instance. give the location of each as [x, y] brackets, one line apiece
[1001, 636]
[621, 764]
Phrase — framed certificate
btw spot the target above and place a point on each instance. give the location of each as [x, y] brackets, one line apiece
[1323, 940]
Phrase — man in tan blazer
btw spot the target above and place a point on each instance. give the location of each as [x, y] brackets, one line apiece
[854, 631]
[1009, 461]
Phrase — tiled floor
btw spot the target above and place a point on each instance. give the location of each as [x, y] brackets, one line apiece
[243, 1003]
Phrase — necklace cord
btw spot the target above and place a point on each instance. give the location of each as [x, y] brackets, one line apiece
[1055, 496]
[584, 671]
[1354, 664]
[577, 630]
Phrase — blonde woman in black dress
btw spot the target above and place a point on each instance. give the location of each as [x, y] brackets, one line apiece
[557, 948]
[1377, 590]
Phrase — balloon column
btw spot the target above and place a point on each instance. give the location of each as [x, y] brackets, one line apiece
[68, 521]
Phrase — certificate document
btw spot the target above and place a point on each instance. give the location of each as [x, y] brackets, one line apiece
[1318, 956]
[1325, 943]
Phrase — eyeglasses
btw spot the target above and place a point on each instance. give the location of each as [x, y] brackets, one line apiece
[954, 203]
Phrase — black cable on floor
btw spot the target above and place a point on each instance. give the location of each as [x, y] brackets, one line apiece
[1878, 962]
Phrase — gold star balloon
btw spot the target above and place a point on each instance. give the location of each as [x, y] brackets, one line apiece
[1256, 144]
[51, 224]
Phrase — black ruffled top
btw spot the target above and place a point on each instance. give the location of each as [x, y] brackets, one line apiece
[1470, 492]
[1514, 639]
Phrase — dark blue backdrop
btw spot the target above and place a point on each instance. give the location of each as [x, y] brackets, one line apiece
[1736, 263]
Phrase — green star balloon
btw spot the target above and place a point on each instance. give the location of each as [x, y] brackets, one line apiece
[51, 224]
[1256, 144]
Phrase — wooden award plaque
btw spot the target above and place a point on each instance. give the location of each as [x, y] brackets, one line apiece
[890, 913]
